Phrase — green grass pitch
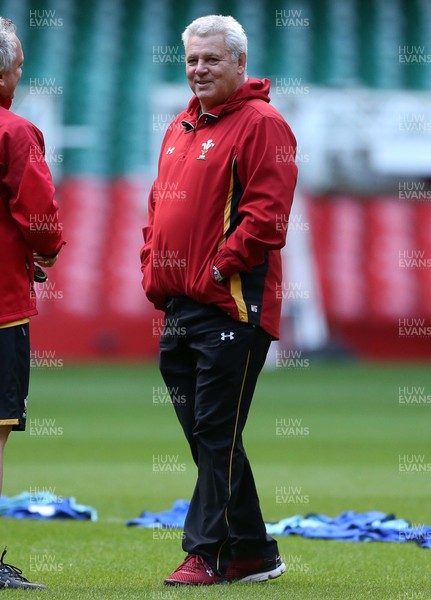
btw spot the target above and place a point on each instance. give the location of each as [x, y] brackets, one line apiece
[324, 438]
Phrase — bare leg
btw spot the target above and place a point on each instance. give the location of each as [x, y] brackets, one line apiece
[4, 434]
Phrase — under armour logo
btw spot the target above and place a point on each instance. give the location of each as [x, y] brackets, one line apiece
[205, 147]
[170, 150]
[210, 572]
[227, 336]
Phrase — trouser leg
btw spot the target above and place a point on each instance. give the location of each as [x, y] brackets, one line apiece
[224, 518]
[178, 369]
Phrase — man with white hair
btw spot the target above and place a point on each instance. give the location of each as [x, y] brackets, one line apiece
[211, 260]
[30, 236]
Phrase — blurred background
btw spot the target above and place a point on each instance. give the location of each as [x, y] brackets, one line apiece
[103, 79]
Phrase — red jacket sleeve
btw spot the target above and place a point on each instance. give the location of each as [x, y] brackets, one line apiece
[147, 232]
[31, 190]
[267, 171]
[152, 291]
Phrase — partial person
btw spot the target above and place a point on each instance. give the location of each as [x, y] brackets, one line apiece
[31, 238]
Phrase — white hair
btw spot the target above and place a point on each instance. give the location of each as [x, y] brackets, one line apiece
[7, 45]
[234, 35]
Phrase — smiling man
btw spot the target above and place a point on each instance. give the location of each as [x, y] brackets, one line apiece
[211, 261]
[212, 73]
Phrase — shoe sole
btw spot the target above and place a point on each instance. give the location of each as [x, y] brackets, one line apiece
[264, 576]
[187, 583]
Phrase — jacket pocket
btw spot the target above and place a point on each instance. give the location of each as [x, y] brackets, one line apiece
[152, 290]
[207, 290]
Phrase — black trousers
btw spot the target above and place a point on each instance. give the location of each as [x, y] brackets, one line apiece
[211, 362]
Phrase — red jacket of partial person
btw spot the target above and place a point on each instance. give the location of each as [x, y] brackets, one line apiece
[28, 213]
[222, 197]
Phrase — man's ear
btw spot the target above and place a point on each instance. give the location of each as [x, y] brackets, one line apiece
[242, 60]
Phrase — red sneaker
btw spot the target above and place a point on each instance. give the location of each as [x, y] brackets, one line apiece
[258, 569]
[194, 571]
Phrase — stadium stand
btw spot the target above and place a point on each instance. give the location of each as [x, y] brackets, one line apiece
[352, 77]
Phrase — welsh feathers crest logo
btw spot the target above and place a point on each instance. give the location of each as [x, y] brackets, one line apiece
[205, 147]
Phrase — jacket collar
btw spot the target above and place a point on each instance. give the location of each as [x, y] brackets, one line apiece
[5, 102]
[251, 89]
[191, 121]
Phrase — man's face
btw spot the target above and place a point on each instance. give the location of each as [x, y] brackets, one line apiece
[212, 74]
[9, 80]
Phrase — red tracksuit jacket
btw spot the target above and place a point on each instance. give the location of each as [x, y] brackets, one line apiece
[222, 197]
[28, 213]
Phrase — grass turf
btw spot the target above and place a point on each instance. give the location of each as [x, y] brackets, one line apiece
[325, 439]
